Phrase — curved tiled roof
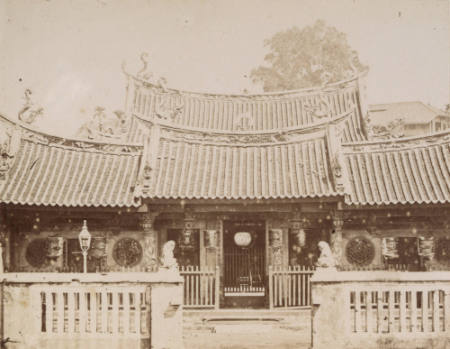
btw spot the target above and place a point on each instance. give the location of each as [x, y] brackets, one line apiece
[405, 171]
[270, 112]
[185, 169]
[185, 145]
[51, 171]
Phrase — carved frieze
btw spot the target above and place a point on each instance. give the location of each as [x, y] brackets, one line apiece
[426, 247]
[276, 243]
[317, 111]
[98, 247]
[244, 121]
[146, 222]
[211, 238]
[146, 179]
[62, 142]
[167, 112]
[336, 234]
[55, 246]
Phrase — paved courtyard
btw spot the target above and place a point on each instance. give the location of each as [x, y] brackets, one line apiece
[242, 335]
[272, 339]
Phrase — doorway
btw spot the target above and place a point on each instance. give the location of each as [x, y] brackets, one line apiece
[244, 281]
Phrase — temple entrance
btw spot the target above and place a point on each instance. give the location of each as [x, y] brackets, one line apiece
[244, 283]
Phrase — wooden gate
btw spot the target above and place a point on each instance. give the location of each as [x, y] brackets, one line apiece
[244, 271]
[290, 287]
[244, 258]
[201, 287]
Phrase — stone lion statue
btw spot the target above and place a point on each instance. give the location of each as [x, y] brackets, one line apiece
[168, 260]
[326, 258]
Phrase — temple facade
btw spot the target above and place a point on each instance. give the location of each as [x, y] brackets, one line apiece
[245, 185]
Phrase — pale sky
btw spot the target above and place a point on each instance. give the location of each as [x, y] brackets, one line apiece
[69, 52]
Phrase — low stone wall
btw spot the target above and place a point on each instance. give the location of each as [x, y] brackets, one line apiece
[114, 310]
[380, 309]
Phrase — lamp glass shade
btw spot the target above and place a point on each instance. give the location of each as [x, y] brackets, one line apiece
[84, 238]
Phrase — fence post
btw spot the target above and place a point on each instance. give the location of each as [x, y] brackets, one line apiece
[270, 287]
[2, 315]
[217, 288]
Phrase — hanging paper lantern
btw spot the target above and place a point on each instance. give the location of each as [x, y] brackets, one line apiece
[243, 239]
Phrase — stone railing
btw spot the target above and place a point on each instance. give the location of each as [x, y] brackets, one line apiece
[381, 309]
[114, 310]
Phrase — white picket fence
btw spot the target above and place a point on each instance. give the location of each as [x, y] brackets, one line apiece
[290, 287]
[399, 309]
[102, 310]
[201, 287]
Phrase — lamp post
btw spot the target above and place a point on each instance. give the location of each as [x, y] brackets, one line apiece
[85, 242]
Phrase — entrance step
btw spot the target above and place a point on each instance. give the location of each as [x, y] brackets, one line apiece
[247, 328]
[246, 320]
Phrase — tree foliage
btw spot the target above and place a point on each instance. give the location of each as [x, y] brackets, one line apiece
[301, 58]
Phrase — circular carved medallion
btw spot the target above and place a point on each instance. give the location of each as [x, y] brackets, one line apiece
[443, 250]
[127, 252]
[36, 252]
[360, 251]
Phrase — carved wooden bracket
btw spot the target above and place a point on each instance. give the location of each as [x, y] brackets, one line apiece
[147, 220]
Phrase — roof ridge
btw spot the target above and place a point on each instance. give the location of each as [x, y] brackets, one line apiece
[190, 129]
[397, 144]
[398, 140]
[435, 110]
[319, 134]
[251, 95]
[400, 102]
[70, 139]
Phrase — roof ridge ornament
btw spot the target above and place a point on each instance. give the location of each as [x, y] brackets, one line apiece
[27, 114]
[103, 126]
[9, 146]
[317, 111]
[144, 73]
[244, 121]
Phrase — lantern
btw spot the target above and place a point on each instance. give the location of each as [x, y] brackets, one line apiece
[84, 238]
[243, 239]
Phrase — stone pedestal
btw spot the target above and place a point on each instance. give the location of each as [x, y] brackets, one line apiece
[150, 248]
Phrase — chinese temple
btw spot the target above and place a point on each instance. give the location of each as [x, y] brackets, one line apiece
[245, 185]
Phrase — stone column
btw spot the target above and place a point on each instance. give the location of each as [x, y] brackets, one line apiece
[150, 248]
[336, 236]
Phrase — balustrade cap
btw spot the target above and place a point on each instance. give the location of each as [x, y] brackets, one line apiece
[332, 276]
[115, 277]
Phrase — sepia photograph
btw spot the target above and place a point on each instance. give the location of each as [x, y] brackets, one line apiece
[224, 174]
